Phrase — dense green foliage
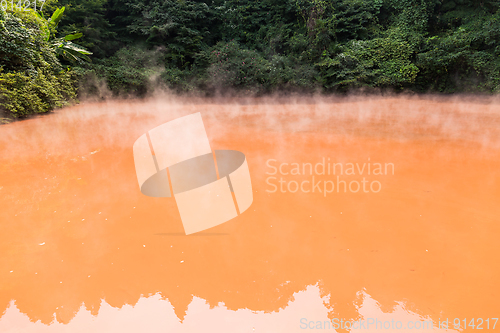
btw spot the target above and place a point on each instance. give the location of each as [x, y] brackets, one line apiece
[308, 45]
[32, 79]
[24, 94]
[264, 46]
[23, 46]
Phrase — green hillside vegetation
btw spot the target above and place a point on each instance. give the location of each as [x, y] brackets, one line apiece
[248, 46]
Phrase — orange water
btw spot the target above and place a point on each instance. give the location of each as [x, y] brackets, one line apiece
[75, 228]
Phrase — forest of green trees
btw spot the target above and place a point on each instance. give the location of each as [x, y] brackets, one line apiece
[243, 46]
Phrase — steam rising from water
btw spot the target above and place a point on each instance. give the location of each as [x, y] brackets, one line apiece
[118, 122]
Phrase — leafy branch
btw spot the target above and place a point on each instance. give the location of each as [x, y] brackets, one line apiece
[64, 46]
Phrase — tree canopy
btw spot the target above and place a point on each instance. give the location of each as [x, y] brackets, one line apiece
[447, 46]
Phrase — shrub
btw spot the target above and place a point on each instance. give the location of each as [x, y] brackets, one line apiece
[32, 79]
[22, 43]
[130, 71]
[379, 62]
[233, 66]
[22, 95]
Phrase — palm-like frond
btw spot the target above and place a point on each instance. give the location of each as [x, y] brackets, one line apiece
[56, 17]
[69, 50]
[64, 45]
